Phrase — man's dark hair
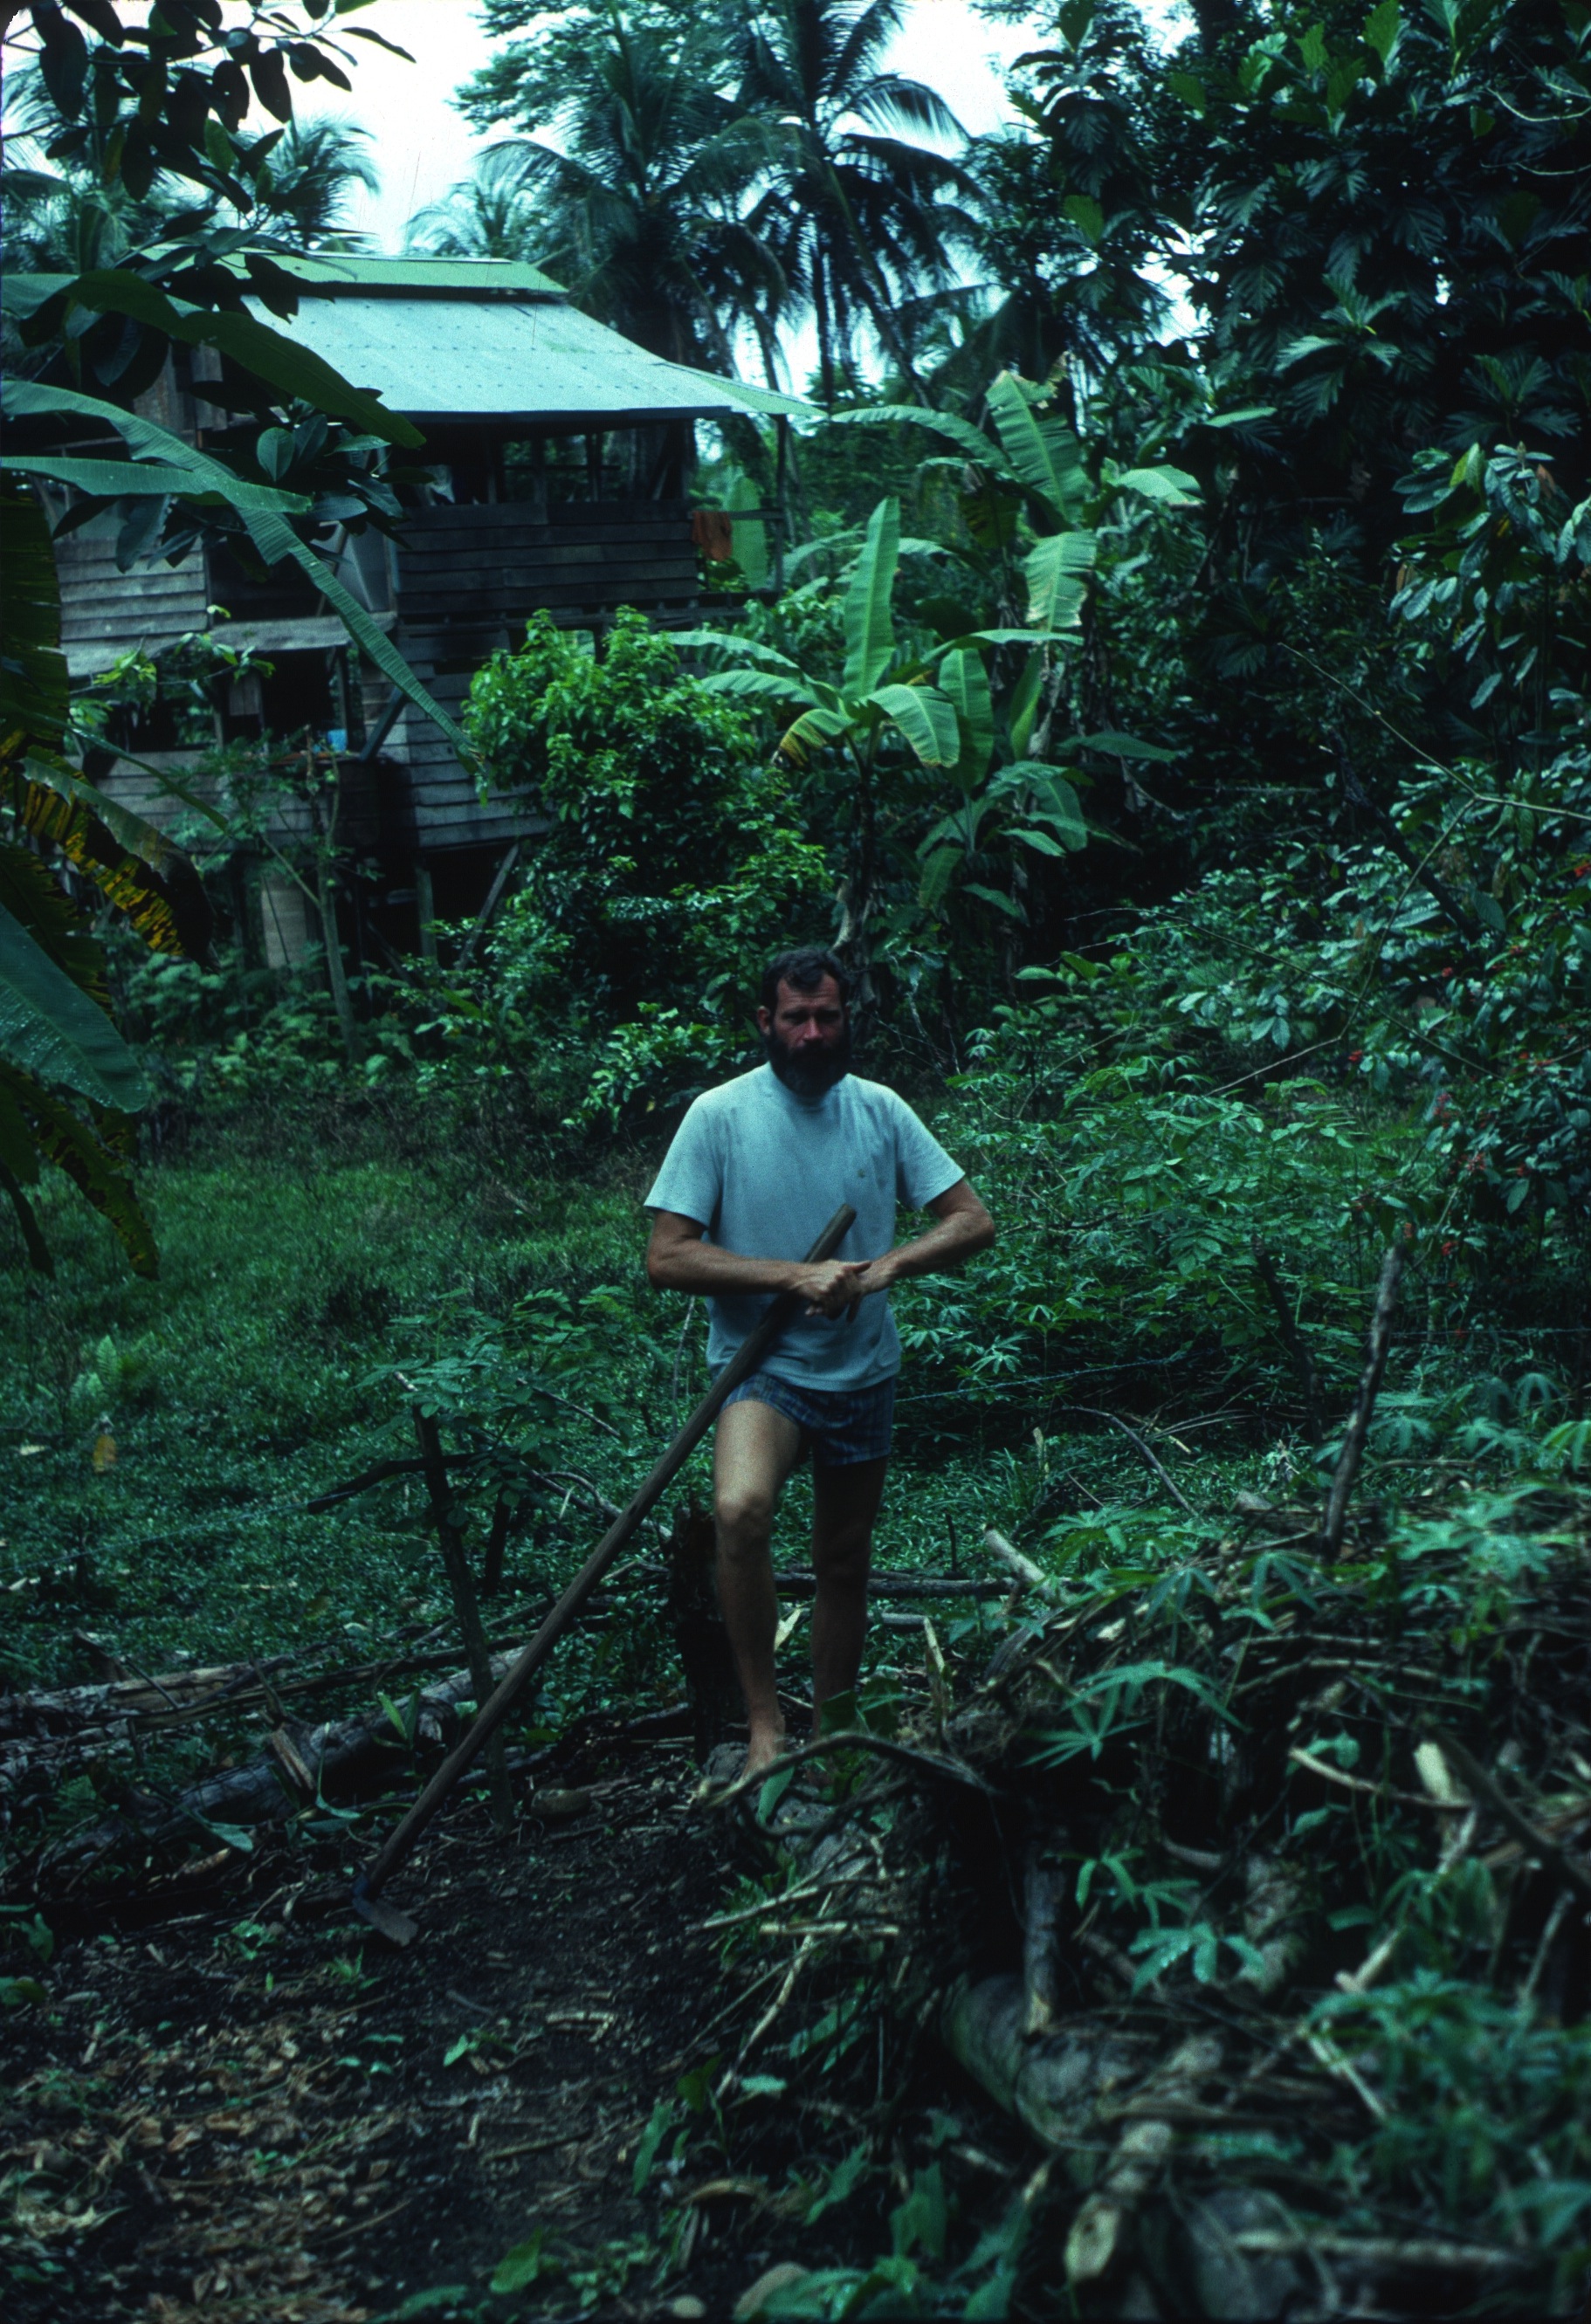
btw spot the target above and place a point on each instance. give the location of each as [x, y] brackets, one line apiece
[803, 969]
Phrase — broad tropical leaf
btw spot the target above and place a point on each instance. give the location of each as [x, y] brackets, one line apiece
[761, 686]
[926, 719]
[33, 686]
[1053, 801]
[815, 729]
[966, 437]
[965, 683]
[140, 870]
[50, 1028]
[1125, 746]
[1044, 452]
[31, 896]
[123, 479]
[937, 871]
[869, 623]
[726, 643]
[91, 1163]
[1168, 487]
[1055, 572]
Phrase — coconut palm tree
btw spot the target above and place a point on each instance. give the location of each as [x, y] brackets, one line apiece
[635, 191]
[491, 215]
[306, 183]
[862, 219]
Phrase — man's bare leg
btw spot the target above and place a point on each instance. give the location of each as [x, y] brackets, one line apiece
[753, 1452]
[845, 1509]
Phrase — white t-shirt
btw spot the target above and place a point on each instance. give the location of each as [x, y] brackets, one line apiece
[765, 1172]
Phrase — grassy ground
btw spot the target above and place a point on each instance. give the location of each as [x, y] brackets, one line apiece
[238, 1386]
[160, 1441]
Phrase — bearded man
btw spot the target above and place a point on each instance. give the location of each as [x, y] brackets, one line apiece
[755, 1171]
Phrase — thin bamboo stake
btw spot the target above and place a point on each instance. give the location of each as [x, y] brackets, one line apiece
[1358, 1429]
[466, 1605]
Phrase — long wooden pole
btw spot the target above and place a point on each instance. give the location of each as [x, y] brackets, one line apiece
[395, 1850]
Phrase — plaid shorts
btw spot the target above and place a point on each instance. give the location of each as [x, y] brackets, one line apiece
[843, 1427]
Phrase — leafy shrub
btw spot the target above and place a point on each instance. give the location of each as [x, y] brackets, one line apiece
[669, 865]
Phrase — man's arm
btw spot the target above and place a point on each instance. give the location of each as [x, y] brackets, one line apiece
[962, 1228]
[678, 1259]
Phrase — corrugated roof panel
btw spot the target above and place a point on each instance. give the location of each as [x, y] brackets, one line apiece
[527, 359]
[513, 275]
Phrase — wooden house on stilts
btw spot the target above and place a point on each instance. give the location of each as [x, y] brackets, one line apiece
[557, 467]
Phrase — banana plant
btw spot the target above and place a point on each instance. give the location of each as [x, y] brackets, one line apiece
[940, 708]
[884, 697]
[1031, 511]
[1006, 802]
[71, 1089]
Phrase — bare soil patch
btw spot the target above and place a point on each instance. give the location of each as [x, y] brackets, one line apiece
[237, 2103]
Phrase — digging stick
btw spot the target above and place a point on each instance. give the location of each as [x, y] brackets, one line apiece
[1358, 1429]
[396, 1849]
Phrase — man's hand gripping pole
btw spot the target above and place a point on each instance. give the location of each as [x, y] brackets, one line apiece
[395, 1850]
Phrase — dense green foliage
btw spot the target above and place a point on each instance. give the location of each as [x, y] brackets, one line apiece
[1178, 712]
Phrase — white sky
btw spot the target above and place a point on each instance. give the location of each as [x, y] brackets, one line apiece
[422, 147]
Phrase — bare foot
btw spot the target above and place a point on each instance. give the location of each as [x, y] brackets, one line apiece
[766, 1744]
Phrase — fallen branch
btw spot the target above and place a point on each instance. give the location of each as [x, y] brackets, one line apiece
[1140, 2156]
[1419, 2253]
[345, 1757]
[1044, 1892]
[1144, 1451]
[1028, 1575]
[1529, 1835]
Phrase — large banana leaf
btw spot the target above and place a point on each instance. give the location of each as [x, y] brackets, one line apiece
[869, 623]
[92, 1165]
[140, 870]
[274, 539]
[965, 683]
[33, 688]
[32, 896]
[1168, 487]
[815, 729]
[293, 370]
[122, 479]
[1053, 803]
[926, 719]
[1055, 572]
[753, 649]
[1044, 452]
[51, 1030]
[762, 685]
[966, 438]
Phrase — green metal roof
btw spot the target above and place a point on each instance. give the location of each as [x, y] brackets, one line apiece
[474, 339]
[436, 348]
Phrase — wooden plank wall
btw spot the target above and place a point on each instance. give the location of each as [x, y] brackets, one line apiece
[442, 804]
[104, 612]
[490, 565]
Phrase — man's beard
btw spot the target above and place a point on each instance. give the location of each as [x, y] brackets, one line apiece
[814, 1072]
